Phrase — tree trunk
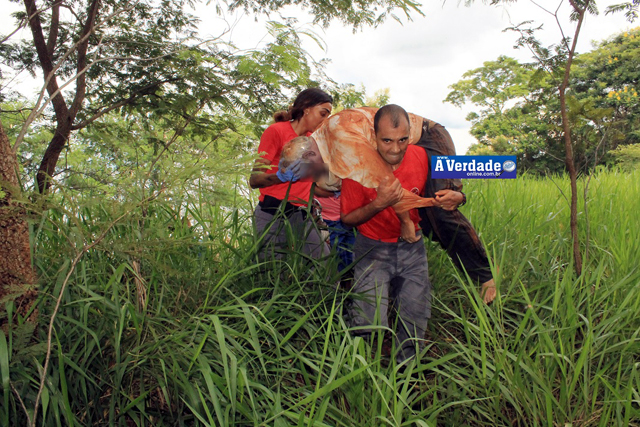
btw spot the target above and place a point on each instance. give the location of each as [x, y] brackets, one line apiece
[568, 143]
[51, 155]
[573, 178]
[17, 277]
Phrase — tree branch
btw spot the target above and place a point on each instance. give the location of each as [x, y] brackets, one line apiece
[81, 83]
[18, 28]
[20, 110]
[72, 12]
[564, 38]
[175, 136]
[46, 63]
[53, 28]
[569, 159]
[38, 109]
[24, 408]
[119, 104]
[23, 22]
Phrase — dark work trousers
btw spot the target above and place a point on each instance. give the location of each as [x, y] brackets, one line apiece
[457, 236]
[276, 241]
[451, 229]
[397, 275]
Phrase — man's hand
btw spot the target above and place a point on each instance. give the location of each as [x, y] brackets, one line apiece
[407, 228]
[294, 172]
[389, 193]
[449, 199]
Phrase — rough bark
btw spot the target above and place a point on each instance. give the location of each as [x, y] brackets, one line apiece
[17, 277]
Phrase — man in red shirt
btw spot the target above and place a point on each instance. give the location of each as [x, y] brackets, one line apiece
[391, 270]
[346, 142]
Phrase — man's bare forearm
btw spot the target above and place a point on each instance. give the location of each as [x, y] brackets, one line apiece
[404, 217]
[262, 180]
[362, 214]
[389, 193]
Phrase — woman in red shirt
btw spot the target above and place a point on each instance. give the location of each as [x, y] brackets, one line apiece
[311, 107]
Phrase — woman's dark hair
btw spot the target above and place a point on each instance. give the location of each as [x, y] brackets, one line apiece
[305, 99]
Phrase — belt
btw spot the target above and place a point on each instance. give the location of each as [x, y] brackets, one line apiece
[271, 205]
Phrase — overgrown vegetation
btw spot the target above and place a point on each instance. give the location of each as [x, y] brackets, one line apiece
[171, 320]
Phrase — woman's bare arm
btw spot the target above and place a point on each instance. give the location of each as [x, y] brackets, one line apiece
[259, 178]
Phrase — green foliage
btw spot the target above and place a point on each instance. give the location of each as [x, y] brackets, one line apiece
[14, 114]
[349, 96]
[627, 156]
[500, 146]
[630, 9]
[172, 320]
[518, 113]
[491, 87]
[608, 78]
[358, 14]
[519, 104]
[147, 63]
[379, 99]
[132, 157]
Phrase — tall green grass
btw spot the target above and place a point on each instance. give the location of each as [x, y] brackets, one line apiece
[223, 339]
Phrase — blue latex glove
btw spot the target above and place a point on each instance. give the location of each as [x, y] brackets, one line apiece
[293, 173]
[337, 194]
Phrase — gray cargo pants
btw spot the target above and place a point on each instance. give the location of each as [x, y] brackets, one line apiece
[393, 274]
[302, 231]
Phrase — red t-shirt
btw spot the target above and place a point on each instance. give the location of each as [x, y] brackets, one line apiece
[271, 143]
[385, 225]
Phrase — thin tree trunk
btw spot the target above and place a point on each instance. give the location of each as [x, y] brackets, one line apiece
[51, 156]
[568, 143]
[16, 273]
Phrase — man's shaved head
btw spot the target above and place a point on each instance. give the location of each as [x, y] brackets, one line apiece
[394, 112]
[392, 128]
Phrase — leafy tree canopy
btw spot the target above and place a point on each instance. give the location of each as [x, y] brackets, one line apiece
[359, 13]
[146, 58]
[517, 110]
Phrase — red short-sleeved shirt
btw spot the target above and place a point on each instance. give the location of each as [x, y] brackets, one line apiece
[271, 143]
[385, 225]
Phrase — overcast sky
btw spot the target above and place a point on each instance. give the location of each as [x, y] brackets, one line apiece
[417, 60]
